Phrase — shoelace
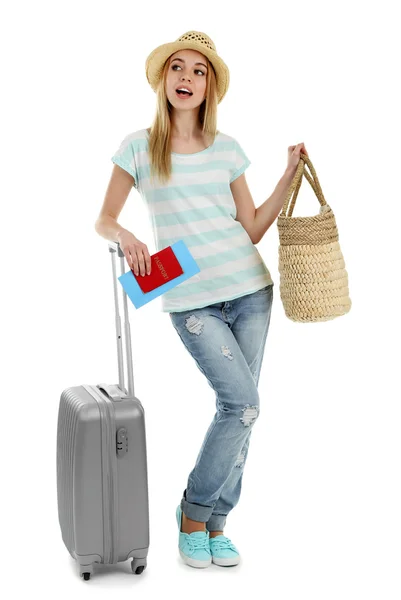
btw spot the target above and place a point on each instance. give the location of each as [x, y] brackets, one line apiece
[199, 542]
[225, 544]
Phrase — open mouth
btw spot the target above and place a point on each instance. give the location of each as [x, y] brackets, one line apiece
[183, 94]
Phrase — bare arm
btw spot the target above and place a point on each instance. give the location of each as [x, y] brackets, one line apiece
[267, 212]
[117, 193]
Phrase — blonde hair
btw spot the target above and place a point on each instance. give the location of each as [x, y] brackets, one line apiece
[160, 134]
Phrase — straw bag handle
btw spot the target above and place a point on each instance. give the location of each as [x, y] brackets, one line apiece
[296, 184]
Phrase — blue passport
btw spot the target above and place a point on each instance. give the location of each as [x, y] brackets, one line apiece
[139, 298]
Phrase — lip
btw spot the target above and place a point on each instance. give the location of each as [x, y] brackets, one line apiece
[184, 86]
[183, 97]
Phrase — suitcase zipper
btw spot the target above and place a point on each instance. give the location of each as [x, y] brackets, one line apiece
[109, 469]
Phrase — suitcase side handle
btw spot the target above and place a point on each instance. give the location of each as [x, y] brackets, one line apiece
[114, 247]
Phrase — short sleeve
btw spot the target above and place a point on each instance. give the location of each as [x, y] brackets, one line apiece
[124, 157]
[240, 162]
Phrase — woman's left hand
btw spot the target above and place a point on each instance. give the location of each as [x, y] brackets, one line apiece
[294, 156]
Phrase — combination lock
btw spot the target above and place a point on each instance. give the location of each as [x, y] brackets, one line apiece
[122, 441]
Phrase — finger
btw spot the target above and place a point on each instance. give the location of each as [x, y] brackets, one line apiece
[141, 262]
[148, 263]
[134, 264]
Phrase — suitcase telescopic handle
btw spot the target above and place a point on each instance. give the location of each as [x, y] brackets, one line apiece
[114, 247]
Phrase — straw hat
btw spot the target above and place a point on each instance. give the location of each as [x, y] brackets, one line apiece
[191, 40]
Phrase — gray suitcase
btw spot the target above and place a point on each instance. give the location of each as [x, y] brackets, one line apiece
[102, 480]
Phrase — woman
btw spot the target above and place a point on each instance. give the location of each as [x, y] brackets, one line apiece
[192, 178]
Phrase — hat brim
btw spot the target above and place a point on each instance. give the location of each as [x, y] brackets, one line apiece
[157, 58]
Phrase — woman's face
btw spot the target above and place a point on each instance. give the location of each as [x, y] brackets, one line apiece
[186, 68]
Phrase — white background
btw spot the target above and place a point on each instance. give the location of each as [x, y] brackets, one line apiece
[319, 514]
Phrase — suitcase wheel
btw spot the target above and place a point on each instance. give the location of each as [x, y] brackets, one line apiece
[138, 565]
[86, 576]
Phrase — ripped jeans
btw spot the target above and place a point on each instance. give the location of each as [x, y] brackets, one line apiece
[227, 342]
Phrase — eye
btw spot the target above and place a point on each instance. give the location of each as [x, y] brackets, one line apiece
[196, 70]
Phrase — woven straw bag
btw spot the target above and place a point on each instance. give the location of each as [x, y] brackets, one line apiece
[313, 278]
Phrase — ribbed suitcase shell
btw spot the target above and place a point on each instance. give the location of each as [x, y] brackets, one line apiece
[102, 482]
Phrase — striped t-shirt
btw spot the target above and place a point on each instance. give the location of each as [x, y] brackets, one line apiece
[197, 206]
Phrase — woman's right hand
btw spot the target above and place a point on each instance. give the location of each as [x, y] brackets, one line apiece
[135, 251]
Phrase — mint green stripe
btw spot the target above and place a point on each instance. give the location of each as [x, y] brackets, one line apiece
[141, 145]
[240, 151]
[216, 284]
[204, 237]
[126, 155]
[187, 191]
[121, 162]
[189, 216]
[240, 170]
[225, 257]
[215, 165]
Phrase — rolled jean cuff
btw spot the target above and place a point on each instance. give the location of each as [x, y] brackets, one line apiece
[195, 512]
[216, 523]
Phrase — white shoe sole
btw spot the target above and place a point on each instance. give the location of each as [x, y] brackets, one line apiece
[226, 562]
[192, 562]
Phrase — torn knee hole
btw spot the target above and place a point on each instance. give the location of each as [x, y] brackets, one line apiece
[225, 350]
[194, 325]
[250, 414]
[240, 460]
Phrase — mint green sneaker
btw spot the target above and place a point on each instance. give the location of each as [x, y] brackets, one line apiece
[224, 553]
[194, 547]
